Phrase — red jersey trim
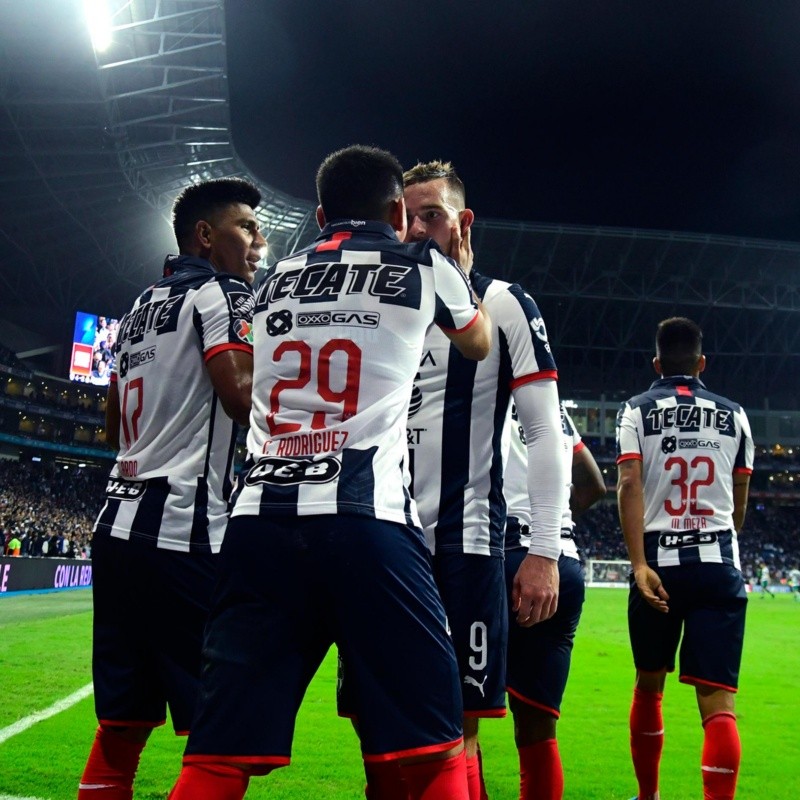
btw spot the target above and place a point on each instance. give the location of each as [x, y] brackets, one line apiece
[465, 328]
[547, 709]
[131, 723]
[536, 376]
[113, 378]
[578, 447]
[335, 242]
[700, 682]
[271, 761]
[742, 471]
[495, 713]
[629, 457]
[684, 390]
[414, 751]
[215, 351]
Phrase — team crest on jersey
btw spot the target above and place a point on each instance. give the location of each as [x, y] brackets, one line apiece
[290, 471]
[537, 326]
[241, 304]
[672, 541]
[121, 489]
[669, 444]
[279, 323]
[244, 330]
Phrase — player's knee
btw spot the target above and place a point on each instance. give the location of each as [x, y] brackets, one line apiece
[651, 681]
[712, 700]
[130, 733]
[531, 724]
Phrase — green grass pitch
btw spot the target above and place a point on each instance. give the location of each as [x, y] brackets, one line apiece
[45, 653]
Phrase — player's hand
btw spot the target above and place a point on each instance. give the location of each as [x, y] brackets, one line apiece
[651, 589]
[460, 249]
[534, 596]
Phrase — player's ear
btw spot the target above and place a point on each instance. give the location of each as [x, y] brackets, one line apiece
[202, 230]
[657, 365]
[321, 221]
[701, 364]
[397, 217]
[466, 218]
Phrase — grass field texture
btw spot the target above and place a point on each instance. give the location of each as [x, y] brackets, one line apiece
[45, 655]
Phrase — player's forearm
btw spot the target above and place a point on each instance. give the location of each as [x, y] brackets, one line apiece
[630, 501]
[741, 488]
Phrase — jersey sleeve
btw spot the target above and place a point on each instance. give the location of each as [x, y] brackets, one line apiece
[455, 308]
[570, 431]
[523, 334]
[223, 315]
[744, 456]
[628, 443]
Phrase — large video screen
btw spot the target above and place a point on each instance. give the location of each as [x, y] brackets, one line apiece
[93, 344]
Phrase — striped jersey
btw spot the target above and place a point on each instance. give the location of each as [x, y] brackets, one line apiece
[515, 486]
[338, 333]
[690, 442]
[173, 477]
[457, 416]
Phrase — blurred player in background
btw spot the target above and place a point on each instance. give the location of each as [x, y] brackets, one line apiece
[539, 656]
[685, 457]
[182, 381]
[764, 581]
[324, 543]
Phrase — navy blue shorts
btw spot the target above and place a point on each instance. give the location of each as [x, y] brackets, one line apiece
[473, 592]
[707, 605]
[290, 587]
[150, 608]
[539, 656]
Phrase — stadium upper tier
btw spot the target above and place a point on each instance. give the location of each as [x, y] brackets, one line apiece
[94, 148]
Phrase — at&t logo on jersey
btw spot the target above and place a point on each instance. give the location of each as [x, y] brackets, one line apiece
[357, 319]
[288, 472]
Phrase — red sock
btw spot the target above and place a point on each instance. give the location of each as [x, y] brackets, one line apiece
[722, 752]
[110, 768]
[474, 782]
[385, 781]
[443, 779]
[647, 739]
[483, 795]
[210, 782]
[541, 776]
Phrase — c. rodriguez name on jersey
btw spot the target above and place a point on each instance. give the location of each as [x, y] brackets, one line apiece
[306, 444]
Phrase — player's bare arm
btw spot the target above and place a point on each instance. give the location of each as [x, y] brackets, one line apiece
[630, 500]
[474, 342]
[231, 373]
[112, 416]
[588, 484]
[741, 489]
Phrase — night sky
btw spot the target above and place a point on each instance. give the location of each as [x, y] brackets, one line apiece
[668, 114]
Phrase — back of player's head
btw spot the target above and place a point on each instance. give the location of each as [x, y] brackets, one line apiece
[433, 170]
[203, 200]
[679, 345]
[359, 182]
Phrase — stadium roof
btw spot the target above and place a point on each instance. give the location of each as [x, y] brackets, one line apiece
[94, 148]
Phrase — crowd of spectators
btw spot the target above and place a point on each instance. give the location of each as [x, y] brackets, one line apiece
[48, 510]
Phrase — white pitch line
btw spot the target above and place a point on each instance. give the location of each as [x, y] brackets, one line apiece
[26, 722]
[14, 797]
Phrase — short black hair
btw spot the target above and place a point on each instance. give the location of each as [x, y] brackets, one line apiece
[202, 200]
[679, 345]
[359, 182]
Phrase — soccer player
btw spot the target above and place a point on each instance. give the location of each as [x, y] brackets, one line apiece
[455, 442]
[539, 656]
[182, 381]
[324, 543]
[685, 457]
[764, 581]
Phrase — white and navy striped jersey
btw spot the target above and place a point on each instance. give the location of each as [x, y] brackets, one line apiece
[690, 442]
[173, 477]
[515, 486]
[457, 416]
[338, 333]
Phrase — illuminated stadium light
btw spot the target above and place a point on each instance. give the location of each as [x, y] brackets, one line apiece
[99, 21]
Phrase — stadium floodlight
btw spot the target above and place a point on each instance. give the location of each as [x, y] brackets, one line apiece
[98, 19]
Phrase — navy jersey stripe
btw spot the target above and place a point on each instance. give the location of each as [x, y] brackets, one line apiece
[356, 486]
[151, 508]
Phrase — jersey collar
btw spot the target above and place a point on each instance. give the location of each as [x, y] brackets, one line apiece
[173, 263]
[357, 227]
[679, 380]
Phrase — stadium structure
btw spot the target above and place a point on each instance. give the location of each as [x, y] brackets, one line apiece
[95, 144]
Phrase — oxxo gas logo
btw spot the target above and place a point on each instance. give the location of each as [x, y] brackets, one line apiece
[357, 319]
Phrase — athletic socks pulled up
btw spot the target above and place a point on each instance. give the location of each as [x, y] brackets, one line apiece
[110, 768]
[541, 775]
[722, 752]
[647, 739]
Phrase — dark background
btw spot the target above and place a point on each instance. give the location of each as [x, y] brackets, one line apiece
[671, 115]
